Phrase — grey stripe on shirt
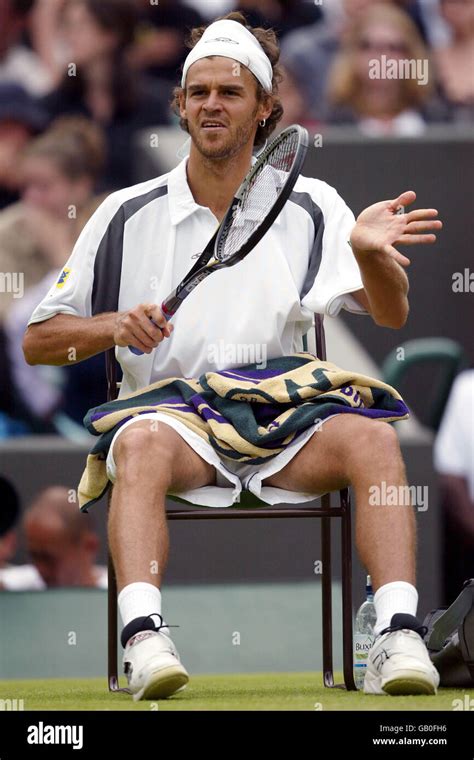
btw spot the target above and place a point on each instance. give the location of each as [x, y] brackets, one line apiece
[108, 260]
[306, 202]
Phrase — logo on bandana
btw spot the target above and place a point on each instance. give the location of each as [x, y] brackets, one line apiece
[63, 277]
[223, 39]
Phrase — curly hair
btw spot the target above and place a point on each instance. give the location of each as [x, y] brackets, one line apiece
[268, 40]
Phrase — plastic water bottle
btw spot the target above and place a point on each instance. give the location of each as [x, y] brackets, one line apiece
[364, 635]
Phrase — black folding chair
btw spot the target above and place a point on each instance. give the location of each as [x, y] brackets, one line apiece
[324, 512]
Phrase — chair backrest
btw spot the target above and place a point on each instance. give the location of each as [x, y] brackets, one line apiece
[111, 361]
[446, 353]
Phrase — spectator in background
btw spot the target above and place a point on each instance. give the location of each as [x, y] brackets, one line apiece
[57, 172]
[283, 16]
[374, 101]
[60, 170]
[100, 84]
[307, 54]
[18, 63]
[454, 463]
[20, 119]
[9, 516]
[160, 41]
[44, 35]
[62, 543]
[295, 110]
[455, 61]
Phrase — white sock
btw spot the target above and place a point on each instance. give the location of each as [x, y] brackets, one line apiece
[139, 600]
[391, 598]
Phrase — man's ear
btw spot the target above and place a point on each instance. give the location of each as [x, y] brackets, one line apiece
[182, 104]
[266, 107]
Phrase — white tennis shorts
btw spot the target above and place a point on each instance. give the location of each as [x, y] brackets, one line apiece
[231, 477]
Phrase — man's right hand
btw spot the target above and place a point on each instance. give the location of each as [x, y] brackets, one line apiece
[136, 328]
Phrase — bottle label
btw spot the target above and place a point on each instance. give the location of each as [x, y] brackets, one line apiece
[362, 645]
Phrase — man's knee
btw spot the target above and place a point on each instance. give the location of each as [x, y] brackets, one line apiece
[380, 435]
[351, 431]
[142, 443]
[376, 443]
[360, 441]
[157, 454]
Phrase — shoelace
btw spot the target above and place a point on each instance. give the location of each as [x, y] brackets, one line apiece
[422, 630]
[162, 624]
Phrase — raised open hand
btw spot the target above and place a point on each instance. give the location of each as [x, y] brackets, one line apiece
[380, 228]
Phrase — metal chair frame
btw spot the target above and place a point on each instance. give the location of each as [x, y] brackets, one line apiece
[324, 512]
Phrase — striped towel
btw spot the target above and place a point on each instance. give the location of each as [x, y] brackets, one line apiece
[246, 414]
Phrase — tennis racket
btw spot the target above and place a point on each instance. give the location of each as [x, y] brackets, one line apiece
[254, 208]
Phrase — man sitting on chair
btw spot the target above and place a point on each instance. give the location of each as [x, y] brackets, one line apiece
[143, 238]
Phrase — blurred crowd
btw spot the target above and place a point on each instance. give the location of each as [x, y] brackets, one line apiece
[61, 543]
[81, 79]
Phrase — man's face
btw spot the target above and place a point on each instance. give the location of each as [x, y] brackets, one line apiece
[221, 107]
[58, 559]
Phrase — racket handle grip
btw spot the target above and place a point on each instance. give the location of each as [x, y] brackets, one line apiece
[137, 351]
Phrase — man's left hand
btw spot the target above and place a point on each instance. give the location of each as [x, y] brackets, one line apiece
[379, 228]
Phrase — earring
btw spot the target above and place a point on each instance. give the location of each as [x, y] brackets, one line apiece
[262, 122]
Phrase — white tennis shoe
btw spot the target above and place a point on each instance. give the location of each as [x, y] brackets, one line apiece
[399, 663]
[152, 666]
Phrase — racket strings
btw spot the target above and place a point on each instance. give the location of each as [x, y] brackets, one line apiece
[258, 197]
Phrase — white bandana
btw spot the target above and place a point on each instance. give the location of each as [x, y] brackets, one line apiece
[230, 39]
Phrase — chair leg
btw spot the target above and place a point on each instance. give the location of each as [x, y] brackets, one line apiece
[112, 647]
[326, 590]
[346, 562]
[346, 582]
[112, 627]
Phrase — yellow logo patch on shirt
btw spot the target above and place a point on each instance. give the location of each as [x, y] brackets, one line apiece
[63, 277]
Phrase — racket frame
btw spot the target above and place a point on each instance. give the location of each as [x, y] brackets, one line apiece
[208, 261]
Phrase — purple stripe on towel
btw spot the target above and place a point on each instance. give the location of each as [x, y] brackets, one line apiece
[256, 375]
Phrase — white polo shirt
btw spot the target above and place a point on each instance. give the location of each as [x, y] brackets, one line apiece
[141, 241]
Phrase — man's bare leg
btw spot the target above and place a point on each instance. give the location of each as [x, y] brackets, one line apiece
[350, 450]
[151, 459]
